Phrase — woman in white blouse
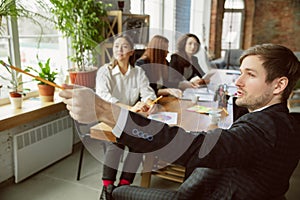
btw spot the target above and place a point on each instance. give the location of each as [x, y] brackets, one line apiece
[123, 83]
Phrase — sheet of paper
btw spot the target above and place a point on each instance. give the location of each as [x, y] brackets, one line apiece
[209, 74]
[203, 109]
[203, 94]
[166, 117]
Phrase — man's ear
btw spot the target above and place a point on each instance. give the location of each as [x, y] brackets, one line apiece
[280, 84]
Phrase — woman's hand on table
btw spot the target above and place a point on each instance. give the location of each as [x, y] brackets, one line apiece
[171, 91]
[140, 106]
[187, 84]
[197, 81]
[144, 108]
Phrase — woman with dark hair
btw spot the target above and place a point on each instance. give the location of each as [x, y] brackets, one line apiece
[185, 69]
[154, 63]
[122, 83]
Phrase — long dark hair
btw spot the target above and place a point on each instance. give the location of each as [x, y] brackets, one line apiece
[157, 51]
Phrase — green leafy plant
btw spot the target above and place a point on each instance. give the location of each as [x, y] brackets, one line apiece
[84, 22]
[14, 82]
[44, 71]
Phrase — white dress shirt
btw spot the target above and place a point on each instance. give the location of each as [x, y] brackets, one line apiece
[115, 87]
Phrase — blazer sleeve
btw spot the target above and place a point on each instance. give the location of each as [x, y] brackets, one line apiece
[237, 146]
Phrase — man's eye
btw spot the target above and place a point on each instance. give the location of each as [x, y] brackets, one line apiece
[251, 74]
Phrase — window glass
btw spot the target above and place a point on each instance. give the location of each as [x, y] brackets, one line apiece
[135, 7]
[4, 53]
[232, 24]
[38, 44]
[235, 4]
[231, 36]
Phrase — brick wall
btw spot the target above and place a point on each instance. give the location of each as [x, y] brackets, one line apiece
[266, 21]
[277, 21]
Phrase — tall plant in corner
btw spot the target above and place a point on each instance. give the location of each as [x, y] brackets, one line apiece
[84, 23]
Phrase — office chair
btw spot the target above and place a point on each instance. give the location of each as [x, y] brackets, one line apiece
[92, 145]
[231, 60]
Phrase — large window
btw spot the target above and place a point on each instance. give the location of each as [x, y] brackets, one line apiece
[232, 24]
[4, 53]
[29, 40]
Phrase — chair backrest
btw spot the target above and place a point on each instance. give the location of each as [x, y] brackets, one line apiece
[296, 116]
[233, 57]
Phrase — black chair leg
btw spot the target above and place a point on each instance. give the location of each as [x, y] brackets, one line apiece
[80, 162]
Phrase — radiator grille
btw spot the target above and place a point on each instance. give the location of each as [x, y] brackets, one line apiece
[41, 146]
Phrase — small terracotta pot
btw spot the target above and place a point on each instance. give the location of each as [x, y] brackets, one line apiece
[46, 92]
[15, 94]
[84, 78]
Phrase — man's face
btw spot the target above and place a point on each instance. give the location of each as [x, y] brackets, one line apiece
[252, 90]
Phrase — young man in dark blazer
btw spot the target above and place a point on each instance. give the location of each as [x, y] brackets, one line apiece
[253, 159]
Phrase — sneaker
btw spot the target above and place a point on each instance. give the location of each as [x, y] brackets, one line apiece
[106, 193]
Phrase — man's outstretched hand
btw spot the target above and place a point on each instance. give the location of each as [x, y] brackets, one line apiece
[86, 107]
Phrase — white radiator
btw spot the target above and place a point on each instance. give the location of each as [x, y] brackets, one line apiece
[41, 146]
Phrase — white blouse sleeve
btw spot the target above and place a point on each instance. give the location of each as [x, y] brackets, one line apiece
[104, 85]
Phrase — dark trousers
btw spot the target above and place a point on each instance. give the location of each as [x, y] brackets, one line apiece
[113, 155]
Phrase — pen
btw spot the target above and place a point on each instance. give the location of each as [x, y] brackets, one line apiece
[225, 111]
[156, 100]
[36, 77]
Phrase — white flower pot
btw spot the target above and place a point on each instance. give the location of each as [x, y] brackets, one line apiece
[16, 102]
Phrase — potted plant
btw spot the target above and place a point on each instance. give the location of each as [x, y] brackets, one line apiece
[46, 91]
[14, 85]
[84, 23]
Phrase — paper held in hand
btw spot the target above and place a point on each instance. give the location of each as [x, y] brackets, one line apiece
[209, 74]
